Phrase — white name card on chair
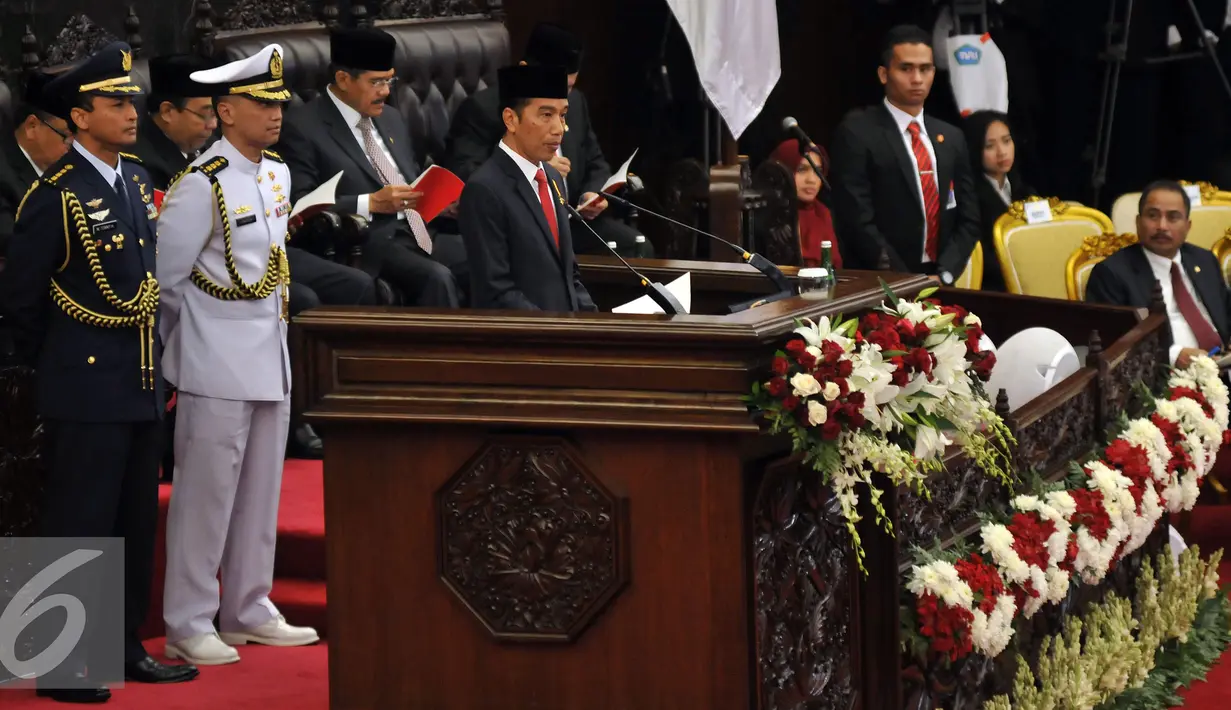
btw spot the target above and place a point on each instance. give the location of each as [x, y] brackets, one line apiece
[1038, 211]
[1194, 194]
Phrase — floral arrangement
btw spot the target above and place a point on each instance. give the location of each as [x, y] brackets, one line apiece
[1111, 657]
[886, 393]
[1079, 529]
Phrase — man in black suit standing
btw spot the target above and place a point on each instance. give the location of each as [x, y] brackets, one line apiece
[349, 128]
[476, 129]
[39, 139]
[1198, 302]
[512, 209]
[179, 117]
[902, 181]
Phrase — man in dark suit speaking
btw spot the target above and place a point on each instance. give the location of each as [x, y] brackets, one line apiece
[512, 209]
[1197, 299]
[902, 183]
[349, 128]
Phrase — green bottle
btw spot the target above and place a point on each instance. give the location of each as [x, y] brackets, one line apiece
[831, 278]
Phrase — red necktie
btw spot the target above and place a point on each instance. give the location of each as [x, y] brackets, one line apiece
[931, 196]
[549, 210]
[1207, 337]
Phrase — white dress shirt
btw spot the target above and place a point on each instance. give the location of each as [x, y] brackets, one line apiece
[528, 168]
[31, 161]
[109, 173]
[352, 119]
[1005, 191]
[1181, 334]
[904, 120]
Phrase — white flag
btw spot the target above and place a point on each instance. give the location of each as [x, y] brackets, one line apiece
[735, 46]
[978, 74]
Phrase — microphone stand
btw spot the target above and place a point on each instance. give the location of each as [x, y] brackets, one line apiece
[656, 291]
[756, 261]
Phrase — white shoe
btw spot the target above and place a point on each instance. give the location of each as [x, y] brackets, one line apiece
[275, 632]
[203, 650]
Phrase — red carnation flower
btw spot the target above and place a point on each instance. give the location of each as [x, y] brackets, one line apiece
[777, 387]
[781, 365]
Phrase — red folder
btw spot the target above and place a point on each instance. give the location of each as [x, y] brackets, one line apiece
[440, 189]
[158, 195]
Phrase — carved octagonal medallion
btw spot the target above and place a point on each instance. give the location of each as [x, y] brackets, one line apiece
[530, 540]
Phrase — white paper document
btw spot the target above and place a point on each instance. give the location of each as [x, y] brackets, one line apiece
[613, 182]
[681, 288]
[323, 195]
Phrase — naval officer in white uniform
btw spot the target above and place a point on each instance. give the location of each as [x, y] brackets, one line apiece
[224, 277]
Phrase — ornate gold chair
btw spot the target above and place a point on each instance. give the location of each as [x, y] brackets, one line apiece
[1124, 212]
[1212, 218]
[972, 275]
[1093, 250]
[1222, 251]
[1033, 257]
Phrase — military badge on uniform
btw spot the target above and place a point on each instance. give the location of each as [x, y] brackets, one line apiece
[93, 204]
[99, 215]
[244, 221]
[283, 209]
[151, 211]
[243, 209]
[103, 227]
[118, 240]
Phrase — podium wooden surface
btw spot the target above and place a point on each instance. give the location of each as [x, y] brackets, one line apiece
[531, 510]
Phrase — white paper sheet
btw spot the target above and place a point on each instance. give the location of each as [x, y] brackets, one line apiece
[620, 177]
[681, 288]
[324, 194]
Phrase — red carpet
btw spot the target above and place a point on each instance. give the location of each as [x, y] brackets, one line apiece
[265, 678]
[1210, 528]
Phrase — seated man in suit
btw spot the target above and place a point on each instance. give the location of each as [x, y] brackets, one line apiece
[348, 128]
[1197, 299]
[902, 181]
[512, 209]
[39, 140]
[179, 117]
[476, 129]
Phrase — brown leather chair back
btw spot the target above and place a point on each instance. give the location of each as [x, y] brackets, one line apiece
[439, 63]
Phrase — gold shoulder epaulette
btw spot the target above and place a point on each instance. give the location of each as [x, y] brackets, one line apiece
[52, 180]
[272, 155]
[130, 156]
[212, 167]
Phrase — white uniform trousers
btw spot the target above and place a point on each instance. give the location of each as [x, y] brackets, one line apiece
[224, 514]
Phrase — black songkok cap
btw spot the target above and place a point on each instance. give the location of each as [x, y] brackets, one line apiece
[364, 49]
[170, 76]
[35, 96]
[554, 46]
[104, 73]
[531, 81]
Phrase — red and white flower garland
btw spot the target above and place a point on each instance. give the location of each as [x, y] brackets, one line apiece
[1156, 464]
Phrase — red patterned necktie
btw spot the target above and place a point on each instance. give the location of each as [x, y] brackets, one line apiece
[549, 210]
[1207, 337]
[931, 195]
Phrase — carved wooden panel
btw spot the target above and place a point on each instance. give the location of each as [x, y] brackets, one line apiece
[1140, 365]
[1059, 436]
[399, 9]
[78, 38]
[255, 14]
[957, 495]
[802, 598]
[531, 541]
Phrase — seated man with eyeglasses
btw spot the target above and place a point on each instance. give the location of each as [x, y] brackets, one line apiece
[39, 139]
[349, 128]
[179, 118]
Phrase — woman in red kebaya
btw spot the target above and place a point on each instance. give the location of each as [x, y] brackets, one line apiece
[815, 223]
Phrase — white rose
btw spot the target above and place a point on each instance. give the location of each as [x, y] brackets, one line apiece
[805, 385]
[971, 319]
[817, 413]
[831, 391]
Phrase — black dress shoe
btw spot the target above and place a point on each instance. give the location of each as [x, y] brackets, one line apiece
[147, 670]
[76, 695]
[303, 443]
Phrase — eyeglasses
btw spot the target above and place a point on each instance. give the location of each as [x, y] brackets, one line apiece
[207, 116]
[64, 135]
[389, 82]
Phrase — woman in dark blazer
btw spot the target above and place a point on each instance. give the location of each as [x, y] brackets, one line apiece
[996, 182]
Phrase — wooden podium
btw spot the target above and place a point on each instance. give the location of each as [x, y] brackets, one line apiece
[576, 512]
[547, 511]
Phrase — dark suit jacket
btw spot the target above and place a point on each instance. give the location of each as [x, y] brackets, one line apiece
[991, 207]
[876, 204]
[159, 154]
[1125, 279]
[514, 262]
[317, 143]
[476, 128]
[16, 177]
[84, 372]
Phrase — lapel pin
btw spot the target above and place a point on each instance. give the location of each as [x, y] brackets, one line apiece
[136, 179]
[1197, 269]
[940, 138]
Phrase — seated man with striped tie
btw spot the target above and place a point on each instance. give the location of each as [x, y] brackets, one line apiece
[1197, 299]
[348, 128]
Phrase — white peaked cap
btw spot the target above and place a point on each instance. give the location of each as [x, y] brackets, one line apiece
[257, 77]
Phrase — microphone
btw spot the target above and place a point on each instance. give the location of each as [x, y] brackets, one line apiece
[656, 291]
[791, 126]
[756, 261]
